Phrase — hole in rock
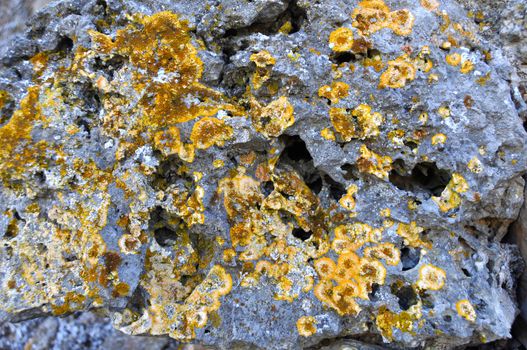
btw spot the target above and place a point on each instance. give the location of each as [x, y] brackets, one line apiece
[65, 44]
[165, 236]
[466, 272]
[350, 171]
[295, 148]
[343, 57]
[374, 294]
[315, 184]
[267, 188]
[336, 190]
[424, 177]
[410, 257]
[297, 155]
[301, 234]
[407, 297]
[296, 16]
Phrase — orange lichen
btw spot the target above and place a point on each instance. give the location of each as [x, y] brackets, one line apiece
[347, 201]
[361, 123]
[372, 163]
[399, 72]
[272, 120]
[430, 5]
[168, 142]
[475, 165]
[431, 277]
[264, 62]
[386, 251]
[335, 92]
[411, 234]
[465, 309]
[374, 15]
[328, 134]
[341, 39]
[19, 152]
[306, 326]
[387, 320]
[439, 139]
[209, 132]
[450, 197]
[351, 237]
[453, 59]
[167, 75]
[325, 267]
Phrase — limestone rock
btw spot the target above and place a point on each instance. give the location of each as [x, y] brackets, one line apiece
[262, 173]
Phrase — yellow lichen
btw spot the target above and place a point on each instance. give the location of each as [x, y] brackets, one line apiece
[209, 132]
[431, 277]
[399, 72]
[475, 165]
[306, 326]
[264, 62]
[453, 59]
[373, 15]
[430, 5]
[439, 139]
[361, 123]
[386, 320]
[272, 120]
[411, 234]
[385, 251]
[372, 163]
[348, 201]
[335, 92]
[341, 39]
[328, 134]
[465, 309]
[450, 197]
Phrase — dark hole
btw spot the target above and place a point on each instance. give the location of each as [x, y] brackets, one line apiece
[110, 66]
[343, 57]
[230, 33]
[65, 44]
[17, 215]
[315, 185]
[41, 177]
[164, 236]
[411, 144]
[466, 272]
[85, 125]
[371, 53]
[425, 176]
[336, 190]
[374, 294]
[350, 171]
[406, 296]
[268, 187]
[301, 234]
[6, 111]
[447, 318]
[295, 148]
[298, 16]
[410, 257]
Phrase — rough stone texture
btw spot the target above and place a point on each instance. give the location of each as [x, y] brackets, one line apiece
[92, 166]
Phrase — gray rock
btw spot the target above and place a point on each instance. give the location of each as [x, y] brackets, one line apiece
[154, 171]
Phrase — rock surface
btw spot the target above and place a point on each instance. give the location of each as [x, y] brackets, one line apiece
[264, 173]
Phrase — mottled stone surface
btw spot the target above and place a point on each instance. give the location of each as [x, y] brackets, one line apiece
[264, 173]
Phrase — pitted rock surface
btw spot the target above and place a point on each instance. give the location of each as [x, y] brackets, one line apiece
[261, 173]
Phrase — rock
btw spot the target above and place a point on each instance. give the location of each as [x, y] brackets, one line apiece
[260, 174]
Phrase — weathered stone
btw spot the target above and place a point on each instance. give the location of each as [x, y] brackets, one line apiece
[247, 174]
